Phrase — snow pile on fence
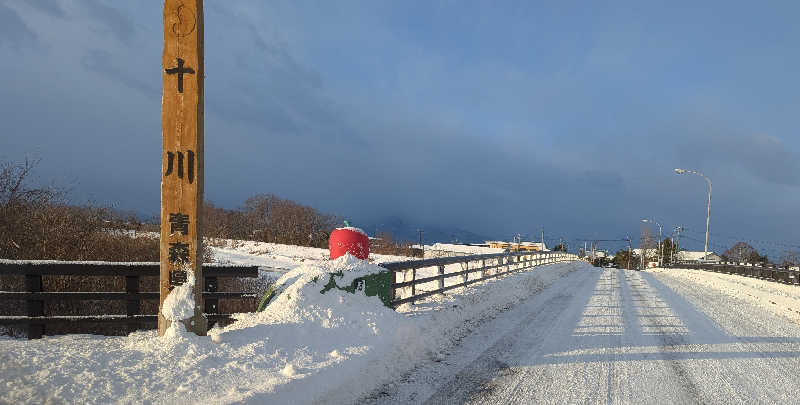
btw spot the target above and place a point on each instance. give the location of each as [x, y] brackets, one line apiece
[274, 256]
[780, 299]
[305, 347]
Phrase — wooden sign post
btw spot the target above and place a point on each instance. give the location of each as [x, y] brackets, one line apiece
[182, 158]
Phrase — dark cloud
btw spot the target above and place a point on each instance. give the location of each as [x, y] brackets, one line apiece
[13, 31]
[112, 20]
[767, 158]
[261, 83]
[102, 62]
[49, 7]
[369, 112]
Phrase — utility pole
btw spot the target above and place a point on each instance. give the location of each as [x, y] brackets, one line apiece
[542, 238]
[642, 245]
[630, 252]
[677, 243]
[660, 244]
[421, 246]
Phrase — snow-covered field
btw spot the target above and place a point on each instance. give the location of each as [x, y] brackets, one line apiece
[276, 258]
[306, 347]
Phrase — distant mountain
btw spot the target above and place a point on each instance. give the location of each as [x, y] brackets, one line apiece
[407, 231]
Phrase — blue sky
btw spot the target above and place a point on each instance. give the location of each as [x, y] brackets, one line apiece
[499, 119]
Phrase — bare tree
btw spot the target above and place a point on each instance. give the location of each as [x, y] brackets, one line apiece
[277, 220]
[743, 252]
[790, 258]
[648, 245]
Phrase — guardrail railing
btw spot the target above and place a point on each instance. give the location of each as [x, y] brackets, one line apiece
[757, 270]
[426, 277]
[35, 318]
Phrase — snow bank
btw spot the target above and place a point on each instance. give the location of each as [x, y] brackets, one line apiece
[272, 256]
[179, 304]
[780, 299]
[305, 347]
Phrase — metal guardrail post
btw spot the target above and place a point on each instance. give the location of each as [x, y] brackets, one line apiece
[133, 305]
[413, 285]
[35, 308]
[211, 304]
[392, 290]
[441, 273]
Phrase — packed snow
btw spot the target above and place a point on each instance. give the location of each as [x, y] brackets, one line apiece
[780, 299]
[305, 347]
[179, 304]
[621, 337]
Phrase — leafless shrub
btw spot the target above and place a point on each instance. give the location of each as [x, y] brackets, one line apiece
[385, 244]
[276, 220]
[790, 258]
[38, 223]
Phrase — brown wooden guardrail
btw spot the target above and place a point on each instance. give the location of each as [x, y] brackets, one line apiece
[36, 299]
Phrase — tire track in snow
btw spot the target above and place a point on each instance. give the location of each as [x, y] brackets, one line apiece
[427, 378]
[622, 337]
[669, 340]
[477, 379]
[531, 354]
[747, 330]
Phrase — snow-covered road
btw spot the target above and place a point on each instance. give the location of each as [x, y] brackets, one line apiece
[616, 336]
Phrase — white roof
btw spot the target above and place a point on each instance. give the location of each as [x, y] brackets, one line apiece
[539, 245]
[694, 256]
[465, 249]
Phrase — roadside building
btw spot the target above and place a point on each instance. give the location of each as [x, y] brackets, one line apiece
[690, 256]
[521, 246]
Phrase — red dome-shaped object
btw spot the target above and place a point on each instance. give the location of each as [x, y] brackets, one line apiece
[349, 240]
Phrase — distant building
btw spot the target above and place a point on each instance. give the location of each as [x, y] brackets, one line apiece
[521, 246]
[689, 256]
[682, 256]
[450, 249]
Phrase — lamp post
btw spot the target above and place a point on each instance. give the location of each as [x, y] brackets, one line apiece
[672, 247]
[677, 245]
[660, 246]
[708, 215]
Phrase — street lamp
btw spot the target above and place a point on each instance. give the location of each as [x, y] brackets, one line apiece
[660, 246]
[676, 245]
[708, 215]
